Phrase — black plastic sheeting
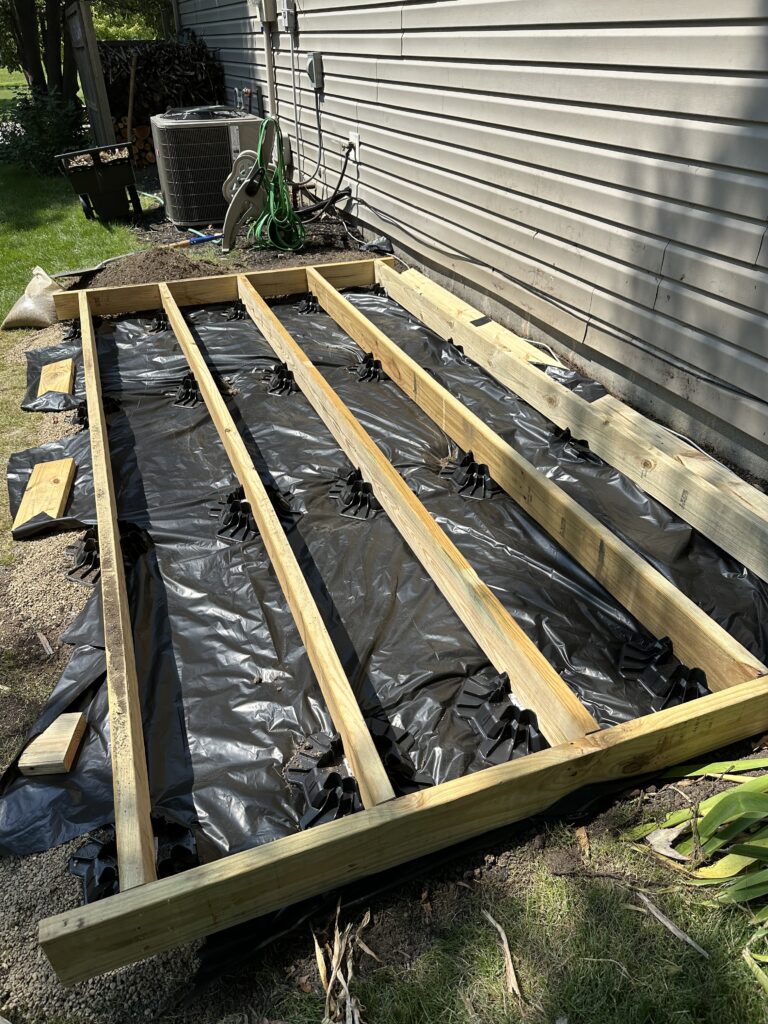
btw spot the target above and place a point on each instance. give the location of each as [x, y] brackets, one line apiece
[227, 691]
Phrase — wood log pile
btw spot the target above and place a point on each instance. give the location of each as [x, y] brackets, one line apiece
[169, 73]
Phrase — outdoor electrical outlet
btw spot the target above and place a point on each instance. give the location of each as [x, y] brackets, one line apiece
[354, 143]
[315, 71]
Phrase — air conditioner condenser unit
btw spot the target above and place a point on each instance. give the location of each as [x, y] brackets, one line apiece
[195, 149]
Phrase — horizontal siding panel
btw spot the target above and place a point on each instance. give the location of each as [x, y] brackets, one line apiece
[418, 234]
[699, 95]
[733, 192]
[717, 47]
[700, 141]
[747, 286]
[458, 14]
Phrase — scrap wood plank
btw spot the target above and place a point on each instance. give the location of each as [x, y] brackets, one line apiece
[560, 714]
[200, 291]
[133, 827]
[344, 709]
[722, 516]
[53, 752]
[47, 490]
[698, 640]
[58, 376]
[110, 933]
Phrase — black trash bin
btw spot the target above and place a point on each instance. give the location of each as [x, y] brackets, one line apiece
[103, 178]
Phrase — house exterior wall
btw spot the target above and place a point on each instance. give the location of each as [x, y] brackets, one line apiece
[595, 174]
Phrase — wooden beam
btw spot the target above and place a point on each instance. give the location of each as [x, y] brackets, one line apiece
[133, 828]
[58, 376]
[53, 752]
[202, 291]
[47, 490]
[359, 747]
[722, 515]
[649, 596]
[534, 682]
[89, 940]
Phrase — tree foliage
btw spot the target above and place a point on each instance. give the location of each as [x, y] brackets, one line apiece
[33, 38]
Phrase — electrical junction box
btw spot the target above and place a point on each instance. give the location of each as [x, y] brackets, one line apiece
[315, 71]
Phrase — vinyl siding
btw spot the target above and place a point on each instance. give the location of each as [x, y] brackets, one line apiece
[596, 174]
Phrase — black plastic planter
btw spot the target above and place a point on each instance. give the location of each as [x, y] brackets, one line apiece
[103, 178]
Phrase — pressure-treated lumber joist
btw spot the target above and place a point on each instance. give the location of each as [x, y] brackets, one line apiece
[201, 291]
[133, 828]
[47, 490]
[110, 933]
[649, 596]
[560, 714]
[365, 762]
[721, 514]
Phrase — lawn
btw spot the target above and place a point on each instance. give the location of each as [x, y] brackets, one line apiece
[9, 81]
[41, 223]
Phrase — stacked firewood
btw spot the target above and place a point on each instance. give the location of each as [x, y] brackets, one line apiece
[143, 148]
[168, 74]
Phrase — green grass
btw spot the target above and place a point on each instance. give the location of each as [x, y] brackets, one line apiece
[41, 223]
[9, 82]
[580, 951]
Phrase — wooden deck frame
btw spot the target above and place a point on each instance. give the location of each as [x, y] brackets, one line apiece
[159, 915]
[702, 492]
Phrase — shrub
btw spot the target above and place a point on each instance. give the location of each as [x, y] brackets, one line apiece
[36, 127]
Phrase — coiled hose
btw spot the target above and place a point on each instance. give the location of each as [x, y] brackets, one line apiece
[278, 226]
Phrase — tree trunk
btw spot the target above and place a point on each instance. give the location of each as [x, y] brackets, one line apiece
[69, 72]
[24, 21]
[53, 18]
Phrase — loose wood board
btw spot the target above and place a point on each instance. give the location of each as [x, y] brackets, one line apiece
[58, 376]
[53, 752]
[47, 490]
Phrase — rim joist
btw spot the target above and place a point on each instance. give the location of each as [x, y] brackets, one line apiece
[133, 827]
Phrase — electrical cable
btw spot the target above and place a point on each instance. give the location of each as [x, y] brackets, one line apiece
[278, 225]
[296, 110]
[336, 194]
[316, 169]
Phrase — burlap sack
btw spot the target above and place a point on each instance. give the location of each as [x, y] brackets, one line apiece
[35, 308]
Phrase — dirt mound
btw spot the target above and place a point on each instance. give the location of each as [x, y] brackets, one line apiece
[152, 265]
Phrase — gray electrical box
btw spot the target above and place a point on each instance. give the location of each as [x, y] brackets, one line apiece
[315, 71]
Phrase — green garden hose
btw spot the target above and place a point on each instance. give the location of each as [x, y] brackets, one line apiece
[278, 226]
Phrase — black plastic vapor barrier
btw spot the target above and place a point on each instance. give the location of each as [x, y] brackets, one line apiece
[234, 720]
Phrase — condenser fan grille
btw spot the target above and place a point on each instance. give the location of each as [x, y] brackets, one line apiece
[194, 151]
[196, 162]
